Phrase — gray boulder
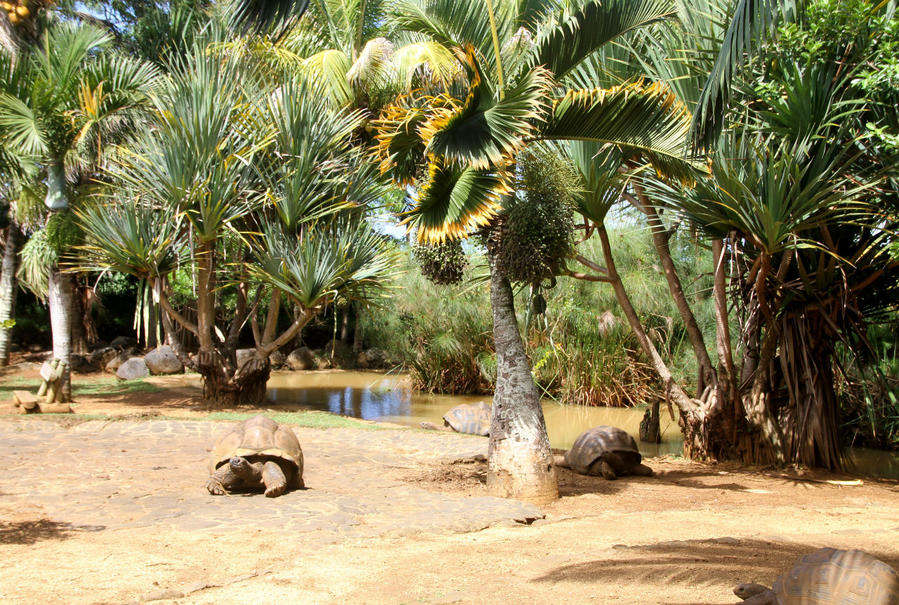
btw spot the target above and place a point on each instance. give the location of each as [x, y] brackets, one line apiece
[301, 359]
[372, 358]
[112, 366]
[133, 369]
[162, 360]
[277, 359]
[100, 357]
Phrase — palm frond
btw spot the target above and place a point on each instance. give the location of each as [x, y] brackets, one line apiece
[752, 21]
[331, 67]
[259, 15]
[635, 118]
[456, 200]
[486, 129]
[588, 25]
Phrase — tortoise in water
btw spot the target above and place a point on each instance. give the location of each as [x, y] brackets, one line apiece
[473, 419]
[829, 577]
[258, 453]
[606, 451]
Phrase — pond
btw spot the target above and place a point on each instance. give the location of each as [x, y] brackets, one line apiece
[388, 398]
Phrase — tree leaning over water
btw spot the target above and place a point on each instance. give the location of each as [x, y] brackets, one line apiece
[459, 149]
[254, 188]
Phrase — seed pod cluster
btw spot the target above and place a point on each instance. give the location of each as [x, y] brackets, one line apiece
[443, 264]
[535, 232]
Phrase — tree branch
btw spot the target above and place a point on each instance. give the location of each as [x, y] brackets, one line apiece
[167, 307]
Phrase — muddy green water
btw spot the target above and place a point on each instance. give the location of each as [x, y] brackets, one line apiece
[388, 398]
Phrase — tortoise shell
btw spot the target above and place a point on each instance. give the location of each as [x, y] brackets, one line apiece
[830, 576]
[470, 418]
[258, 437]
[593, 443]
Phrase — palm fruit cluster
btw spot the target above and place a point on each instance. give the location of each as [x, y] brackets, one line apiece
[535, 232]
[443, 264]
[17, 12]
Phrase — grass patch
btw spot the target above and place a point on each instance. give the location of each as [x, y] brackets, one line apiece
[95, 386]
[308, 419]
[113, 386]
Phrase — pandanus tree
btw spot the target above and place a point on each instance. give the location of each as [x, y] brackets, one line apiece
[256, 190]
[458, 148]
[798, 209]
[71, 97]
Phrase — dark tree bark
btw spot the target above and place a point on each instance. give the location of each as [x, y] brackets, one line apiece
[520, 461]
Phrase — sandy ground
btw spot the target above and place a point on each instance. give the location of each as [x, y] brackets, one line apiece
[687, 535]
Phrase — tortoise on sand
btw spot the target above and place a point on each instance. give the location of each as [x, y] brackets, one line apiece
[473, 419]
[257, 453]
[606, 451]
[829, 577]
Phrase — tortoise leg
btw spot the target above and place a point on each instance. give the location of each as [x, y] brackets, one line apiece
[249, 472]
[274, 479]
[222, 481]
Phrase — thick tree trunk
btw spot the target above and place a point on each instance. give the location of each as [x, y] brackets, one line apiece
[61, 325]
[520, 461]
[8, 288]
[224, 387]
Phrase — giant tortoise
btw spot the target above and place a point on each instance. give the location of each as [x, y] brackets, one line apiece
[258, 453]
[473, 419]
[604, 450]
[829, 577]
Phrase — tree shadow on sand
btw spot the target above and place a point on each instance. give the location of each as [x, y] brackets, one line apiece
[692, 563]
[30, 532]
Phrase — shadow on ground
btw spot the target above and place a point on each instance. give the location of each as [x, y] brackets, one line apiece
[691, 563]
[30, 532]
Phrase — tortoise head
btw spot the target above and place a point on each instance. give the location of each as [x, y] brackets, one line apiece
[749, 590]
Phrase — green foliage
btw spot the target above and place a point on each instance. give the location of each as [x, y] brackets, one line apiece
[538, 223]
[36, 258]
[444, 263]
[62, 232]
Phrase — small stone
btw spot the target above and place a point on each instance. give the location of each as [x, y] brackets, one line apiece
[133, 369]
[112, 366]
[124, 342]
[277, 359]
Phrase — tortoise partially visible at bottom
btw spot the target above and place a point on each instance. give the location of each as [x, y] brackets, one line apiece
[829, 577]
[604, 450]
[258, 453]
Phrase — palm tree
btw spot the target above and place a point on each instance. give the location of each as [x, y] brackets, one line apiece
[246, 185]
[522, 63]
[75, 95]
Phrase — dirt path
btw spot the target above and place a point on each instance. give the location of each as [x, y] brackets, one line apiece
[115, 512]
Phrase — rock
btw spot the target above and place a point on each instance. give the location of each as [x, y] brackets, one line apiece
[162, 360]
[277, 359]
[124, 342]
[100, 357]
[301, 359]
[339, 354]
[133, 369]
[372, 358]
[112, 366]
[35, 348]
[322, 361]
[81, 364]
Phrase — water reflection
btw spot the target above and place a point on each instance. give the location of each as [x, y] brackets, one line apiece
[374, 396]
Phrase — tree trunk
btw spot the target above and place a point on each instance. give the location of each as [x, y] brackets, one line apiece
[225, 387]
[520, 461]
[79, 333]
[8, 288]
[660, 238]
[60, 292]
